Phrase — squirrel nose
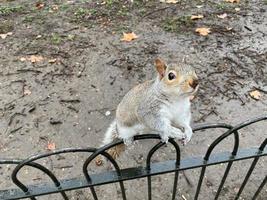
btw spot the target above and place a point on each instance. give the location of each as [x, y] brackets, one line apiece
[194, 83]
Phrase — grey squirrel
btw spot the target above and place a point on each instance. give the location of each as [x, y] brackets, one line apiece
[160, 106]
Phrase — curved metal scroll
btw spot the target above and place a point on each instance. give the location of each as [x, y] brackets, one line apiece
[29, 162]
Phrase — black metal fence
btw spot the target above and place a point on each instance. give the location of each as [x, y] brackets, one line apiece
[151, 169]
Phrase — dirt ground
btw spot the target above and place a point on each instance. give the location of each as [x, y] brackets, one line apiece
[67, 94]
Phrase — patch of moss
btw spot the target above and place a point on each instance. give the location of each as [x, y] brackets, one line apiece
[6, 26]
[7, 10]
[222, 6]
[178, 24]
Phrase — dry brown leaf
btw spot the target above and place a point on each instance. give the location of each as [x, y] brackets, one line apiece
[39, 5]
[255, 94]
[26, 92]
[203, 31]
[232, 1]
[4, 35]
[52, 60]
[222, 16]
[129, 37]
[32, 58]
[51, 146]
[35, 59]
[194, 17]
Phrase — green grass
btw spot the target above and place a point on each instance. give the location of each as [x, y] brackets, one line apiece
[82, 12]
[178, 24]
[56, 39]
[6, 26]
[111, 2]
[7, 10]
[28, 19]
[222, 6]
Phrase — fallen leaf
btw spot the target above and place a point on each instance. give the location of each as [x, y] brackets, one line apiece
[203, 31]
[222, 16]
[51, 146]
[255, 94]
[32, 58]
[39, 5]
[22, 59]
[168, 1]
[52, 60]
[99, 161]
[129, 37]
[237, 9]
[4, 35]
[26, 92]
[54, 7]
[232, 1]
[35, 59]
[194, 17]
[229, 28]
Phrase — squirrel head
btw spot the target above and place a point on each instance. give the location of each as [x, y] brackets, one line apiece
[177, 79]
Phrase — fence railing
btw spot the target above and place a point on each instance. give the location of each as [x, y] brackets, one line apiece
[151, 169]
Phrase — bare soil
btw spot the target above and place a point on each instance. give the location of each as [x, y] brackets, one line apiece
[86, 69]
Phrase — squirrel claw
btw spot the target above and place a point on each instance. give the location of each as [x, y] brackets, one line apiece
[183, 141]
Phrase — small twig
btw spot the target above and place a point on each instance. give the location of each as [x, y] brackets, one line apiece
[249, 29]
[80, 72]
[69, 100]
[15, 130]
[203, 117]
[260, 89]
[55, 121]
[29, 70]
[13, 116]
[240, 98]
[63, 74]
[63, 167]
[71, 29]
[189, 182]
[113, 80]
[72, 108]
[154, 11]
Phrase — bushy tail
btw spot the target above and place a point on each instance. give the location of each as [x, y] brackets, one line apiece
[110, 135]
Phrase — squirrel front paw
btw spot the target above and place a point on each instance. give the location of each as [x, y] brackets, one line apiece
[188, 136]
[173, 133]
[177, 133]
[164, 138]
[128, 141]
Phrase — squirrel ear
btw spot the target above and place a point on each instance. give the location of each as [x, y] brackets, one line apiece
[161, 67]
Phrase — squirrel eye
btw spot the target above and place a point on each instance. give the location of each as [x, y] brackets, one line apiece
[171, 76]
